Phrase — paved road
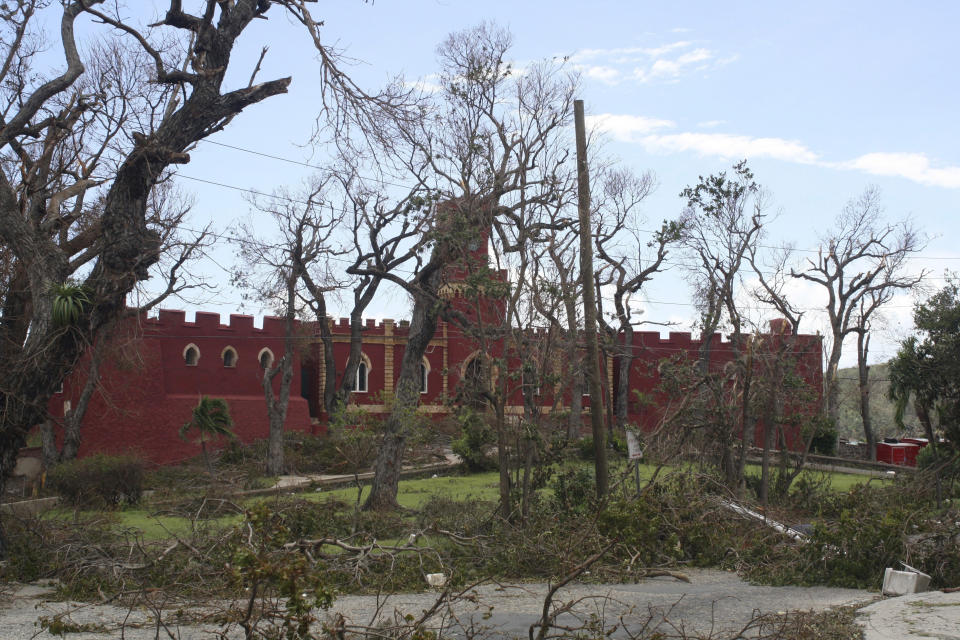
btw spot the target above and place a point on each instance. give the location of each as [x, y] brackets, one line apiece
[931, 614]
[714, 600]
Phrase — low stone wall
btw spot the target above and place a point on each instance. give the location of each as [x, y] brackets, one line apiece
[857, 451]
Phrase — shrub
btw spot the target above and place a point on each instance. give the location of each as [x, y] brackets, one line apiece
[585, 448]
[858, 535]
[825, 440]
[98, 481]
[475, 438]
[947, 462]
[574, 491]
[466, 517]
[619, 444]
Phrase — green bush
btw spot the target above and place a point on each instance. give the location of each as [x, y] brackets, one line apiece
[584, 447]
[855, 537]
[302, 453]
[98, 481]
[619, 444]
[475, 438]
[947, 460]
[825, 440]
[574, 491]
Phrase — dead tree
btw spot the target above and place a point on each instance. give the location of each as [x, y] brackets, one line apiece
[626, 268]
[860, 266]
[489, 150]
[50, 172]
[275, 271]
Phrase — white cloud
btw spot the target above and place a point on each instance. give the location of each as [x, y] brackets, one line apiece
[912, 166]
[648, 132]
[603, 73]
[627, 54]
[667, 62]
[730, 146]
[626, 127]
[664, 68]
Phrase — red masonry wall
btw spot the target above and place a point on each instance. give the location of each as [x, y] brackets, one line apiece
[148, 391]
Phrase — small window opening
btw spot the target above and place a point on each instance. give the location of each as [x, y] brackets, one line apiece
[265, 358]
[360, 383]
[191, 356]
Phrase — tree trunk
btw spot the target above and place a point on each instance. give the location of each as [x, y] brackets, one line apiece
[423, 324]
[329, 363]
[830, 386]
[503, 462]
[48, 443]
[622, 398]
[863, 347]
[768, 429]
[923, 415]
[73, 420]
[277, 404]
[773, 419]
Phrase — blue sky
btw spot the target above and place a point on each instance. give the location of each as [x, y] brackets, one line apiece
[823, 98]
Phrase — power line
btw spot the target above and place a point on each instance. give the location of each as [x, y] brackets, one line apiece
[406, 186]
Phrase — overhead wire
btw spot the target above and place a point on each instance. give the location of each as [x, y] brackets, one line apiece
[406, 186]
[238, 239]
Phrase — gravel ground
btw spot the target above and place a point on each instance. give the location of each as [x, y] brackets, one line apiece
[714, 602]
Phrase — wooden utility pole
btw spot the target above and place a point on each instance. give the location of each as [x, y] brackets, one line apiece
[590, 305]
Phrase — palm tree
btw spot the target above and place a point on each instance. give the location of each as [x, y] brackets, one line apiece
[211, 417]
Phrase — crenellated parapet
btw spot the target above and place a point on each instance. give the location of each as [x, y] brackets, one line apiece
[208, 324]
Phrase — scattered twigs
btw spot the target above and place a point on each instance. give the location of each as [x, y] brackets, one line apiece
[548, 616]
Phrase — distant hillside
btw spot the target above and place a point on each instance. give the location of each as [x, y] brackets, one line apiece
[881, 409]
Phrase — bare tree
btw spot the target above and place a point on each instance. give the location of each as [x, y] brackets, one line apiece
[489, 147]
[861, 265]
[383, 227]
[276, 271]
[51, 168]
[557, 290]
[625, 267]
[723, 221]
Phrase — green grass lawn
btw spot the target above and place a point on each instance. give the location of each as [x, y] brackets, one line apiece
[412, 495]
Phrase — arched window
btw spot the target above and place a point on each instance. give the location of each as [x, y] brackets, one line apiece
[360, 384]
[473, 372]
[229, 356]
[361, 381]
[191, 355]
[424, 375]
[265, 358]
[475, 381]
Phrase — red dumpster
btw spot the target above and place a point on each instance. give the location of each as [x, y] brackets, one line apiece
[911, 451]
[902, 454]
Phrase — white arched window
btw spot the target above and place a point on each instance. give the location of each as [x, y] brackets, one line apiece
[229, 357]
[424, 375]
[265, 358]
[191, 355]
[361, 381]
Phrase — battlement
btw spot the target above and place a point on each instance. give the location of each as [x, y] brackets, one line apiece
[208, 324]
[369, 326]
